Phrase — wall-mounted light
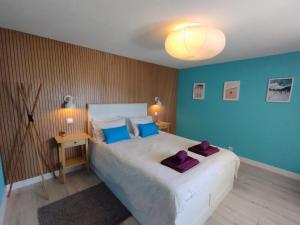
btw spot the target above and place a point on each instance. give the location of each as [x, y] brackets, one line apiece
[68, 102]
[157, 101]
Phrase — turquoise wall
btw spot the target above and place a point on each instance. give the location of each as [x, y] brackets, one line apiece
[2, 185]
[258, 130]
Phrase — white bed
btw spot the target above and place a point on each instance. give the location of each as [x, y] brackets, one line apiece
[155, 194]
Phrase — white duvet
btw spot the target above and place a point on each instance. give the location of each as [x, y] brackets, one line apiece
[156, 194]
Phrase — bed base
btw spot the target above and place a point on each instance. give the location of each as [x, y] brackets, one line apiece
[190, 215]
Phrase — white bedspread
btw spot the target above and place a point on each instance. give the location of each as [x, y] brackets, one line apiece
[158, 194]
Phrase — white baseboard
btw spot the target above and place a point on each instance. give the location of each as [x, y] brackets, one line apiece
[273, 169]
[37, 179]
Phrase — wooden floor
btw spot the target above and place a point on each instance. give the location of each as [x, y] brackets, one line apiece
[258, 198]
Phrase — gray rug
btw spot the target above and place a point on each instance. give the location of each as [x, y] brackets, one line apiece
[94, 206]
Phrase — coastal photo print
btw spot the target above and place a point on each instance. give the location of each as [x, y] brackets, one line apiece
[199, 91]
[280, 89]
[231, 91]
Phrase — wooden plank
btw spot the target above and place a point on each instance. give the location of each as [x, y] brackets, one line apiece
[258, 197]
[89, 75]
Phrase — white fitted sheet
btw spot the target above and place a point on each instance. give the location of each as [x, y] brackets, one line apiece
[156, 194]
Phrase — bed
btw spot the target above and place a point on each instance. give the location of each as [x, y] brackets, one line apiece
[153, 193]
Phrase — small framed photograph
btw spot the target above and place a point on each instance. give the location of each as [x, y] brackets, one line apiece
[199, 91]
[231, 90]
[280, 89]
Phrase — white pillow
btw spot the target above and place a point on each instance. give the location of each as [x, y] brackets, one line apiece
[97, 126]
[134, 121]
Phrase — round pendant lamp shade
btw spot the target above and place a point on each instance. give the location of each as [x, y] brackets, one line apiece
[195, 42]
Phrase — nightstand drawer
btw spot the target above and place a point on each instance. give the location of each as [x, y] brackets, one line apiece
[163, 126]
[70, 144]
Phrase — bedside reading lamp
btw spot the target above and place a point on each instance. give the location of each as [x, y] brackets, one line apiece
[157, 101]
[67, 104]
[158, 104]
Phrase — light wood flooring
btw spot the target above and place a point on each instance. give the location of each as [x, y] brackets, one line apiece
[259, 197]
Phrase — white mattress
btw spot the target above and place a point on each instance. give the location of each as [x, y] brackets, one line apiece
[156, 194]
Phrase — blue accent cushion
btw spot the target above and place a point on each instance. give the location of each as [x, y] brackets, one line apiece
[147, 129]
[116, 134]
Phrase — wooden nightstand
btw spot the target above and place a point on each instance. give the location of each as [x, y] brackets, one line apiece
[68, 141]
[164, 126]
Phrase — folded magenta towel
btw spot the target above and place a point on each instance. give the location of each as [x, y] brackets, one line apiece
[209, 151]
[203, 146]
[180, 157]
[181, 168]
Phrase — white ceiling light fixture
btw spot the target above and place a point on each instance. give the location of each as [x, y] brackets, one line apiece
[195, 41]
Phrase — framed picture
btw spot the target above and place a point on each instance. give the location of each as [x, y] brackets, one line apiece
[280, 89]
[231, 91]
[199, 91]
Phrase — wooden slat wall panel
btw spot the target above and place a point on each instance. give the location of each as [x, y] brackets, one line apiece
[89, 75]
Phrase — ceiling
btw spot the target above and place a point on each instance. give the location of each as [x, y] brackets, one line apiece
[137, 28]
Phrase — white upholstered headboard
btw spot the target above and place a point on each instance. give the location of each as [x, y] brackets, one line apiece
[106, 111]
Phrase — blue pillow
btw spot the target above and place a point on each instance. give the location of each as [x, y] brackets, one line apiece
[115, 134]
[147, 129]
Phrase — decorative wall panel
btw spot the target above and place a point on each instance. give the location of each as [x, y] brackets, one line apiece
[89, 75]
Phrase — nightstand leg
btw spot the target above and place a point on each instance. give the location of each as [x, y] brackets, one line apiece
[62, 161]
[59, 161]
[64, 166]
[87, 155]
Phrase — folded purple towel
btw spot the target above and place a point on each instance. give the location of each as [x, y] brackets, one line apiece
[186, 165]
[201, 147]
[204, 144]
[180, 157]
[209, 151]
